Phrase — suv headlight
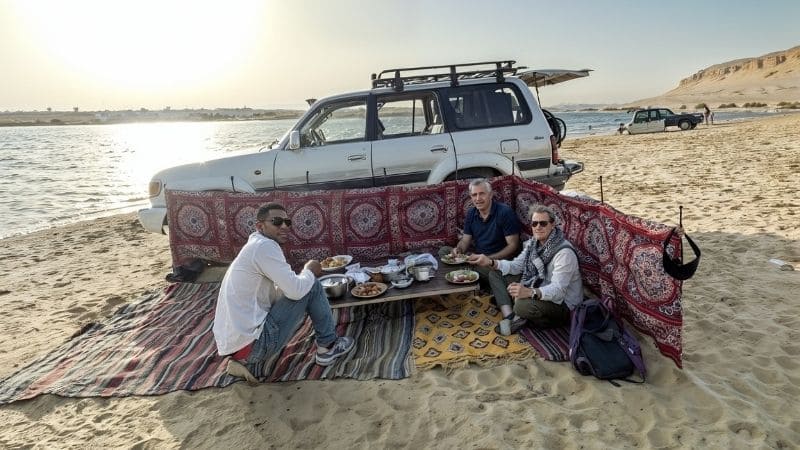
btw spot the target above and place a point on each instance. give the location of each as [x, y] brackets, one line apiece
[154, 188]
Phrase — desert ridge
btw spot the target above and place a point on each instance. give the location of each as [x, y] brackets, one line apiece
[771, 80]
[738, 185]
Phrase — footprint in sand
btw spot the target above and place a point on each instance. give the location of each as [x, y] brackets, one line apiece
[746, 429]
[76, 310]
[791, 350]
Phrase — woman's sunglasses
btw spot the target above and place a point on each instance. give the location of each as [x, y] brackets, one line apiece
[539, 223]
[278, 221]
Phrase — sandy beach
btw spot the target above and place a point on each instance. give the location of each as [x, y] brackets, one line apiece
[738, 184]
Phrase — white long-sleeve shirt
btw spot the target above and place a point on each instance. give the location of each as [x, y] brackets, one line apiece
[562, 283]
[254, 280]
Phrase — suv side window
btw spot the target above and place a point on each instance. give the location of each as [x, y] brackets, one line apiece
[640, 117]
[408, 115]
[335, 123]
[489, 105]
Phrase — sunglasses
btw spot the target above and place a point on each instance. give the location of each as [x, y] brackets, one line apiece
[278, 221]
[540, 223]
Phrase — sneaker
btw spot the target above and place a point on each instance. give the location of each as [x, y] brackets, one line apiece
[516, 323]
[340, 347]
[237, 369]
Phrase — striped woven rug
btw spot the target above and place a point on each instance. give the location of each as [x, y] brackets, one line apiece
[383, 334]
[552, 344]
[164, 343]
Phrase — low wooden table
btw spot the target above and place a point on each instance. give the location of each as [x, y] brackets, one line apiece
[437, 285]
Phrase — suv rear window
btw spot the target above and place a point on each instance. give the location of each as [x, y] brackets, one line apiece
[408, 115]
[487, 105]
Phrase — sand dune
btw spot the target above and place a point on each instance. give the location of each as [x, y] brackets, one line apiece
[738, 183]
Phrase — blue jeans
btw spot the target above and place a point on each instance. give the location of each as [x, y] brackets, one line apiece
[282, 321]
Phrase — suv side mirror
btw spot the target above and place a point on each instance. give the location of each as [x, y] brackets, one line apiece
[294, 140]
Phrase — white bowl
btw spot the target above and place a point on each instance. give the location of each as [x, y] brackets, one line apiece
[402, 283]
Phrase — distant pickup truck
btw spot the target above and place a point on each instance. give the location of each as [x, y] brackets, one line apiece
[658, 119]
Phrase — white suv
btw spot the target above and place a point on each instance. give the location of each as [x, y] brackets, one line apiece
[421, 125]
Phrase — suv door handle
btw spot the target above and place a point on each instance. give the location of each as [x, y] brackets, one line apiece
[439, 148]
[356, 157]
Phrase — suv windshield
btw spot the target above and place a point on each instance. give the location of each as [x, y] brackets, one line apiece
[484, 106]
[335, 123]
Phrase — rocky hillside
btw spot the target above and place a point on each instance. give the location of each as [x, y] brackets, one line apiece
[770, 79]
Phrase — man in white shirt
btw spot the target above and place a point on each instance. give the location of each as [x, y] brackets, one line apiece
[262, 301]
[551, 280]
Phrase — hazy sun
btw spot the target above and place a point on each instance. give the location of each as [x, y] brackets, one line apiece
[144, 44]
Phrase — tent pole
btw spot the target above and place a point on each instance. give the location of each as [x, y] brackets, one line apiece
[680, 223]
[601, 190]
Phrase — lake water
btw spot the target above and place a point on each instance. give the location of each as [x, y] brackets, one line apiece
[54, 175]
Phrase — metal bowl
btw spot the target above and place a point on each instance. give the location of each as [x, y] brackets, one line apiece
[336, 285]
[392, 273]
[421, 273]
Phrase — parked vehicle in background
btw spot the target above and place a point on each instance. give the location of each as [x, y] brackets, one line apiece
[655, 120]
[419, 125]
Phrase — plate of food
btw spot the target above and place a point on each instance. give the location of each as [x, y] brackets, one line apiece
[332, 263]
[454, 260]
[462, 276]
[368, 290]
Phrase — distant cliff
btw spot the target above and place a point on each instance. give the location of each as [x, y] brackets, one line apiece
[770, 79]
[777, 65]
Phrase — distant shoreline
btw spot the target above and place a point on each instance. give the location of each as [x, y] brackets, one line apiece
[59, 118]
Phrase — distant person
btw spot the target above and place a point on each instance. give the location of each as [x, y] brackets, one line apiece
[492, 228]
[621, 128]
[709, 116]
[551, 284]
[262, 301]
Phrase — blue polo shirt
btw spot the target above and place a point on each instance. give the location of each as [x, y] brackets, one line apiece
[490, 236]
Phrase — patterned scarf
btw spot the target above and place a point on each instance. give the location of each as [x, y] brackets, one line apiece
[538, 256]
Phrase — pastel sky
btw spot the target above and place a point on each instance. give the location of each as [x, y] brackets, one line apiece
[119, 54]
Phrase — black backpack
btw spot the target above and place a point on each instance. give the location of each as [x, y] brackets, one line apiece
[599, 345]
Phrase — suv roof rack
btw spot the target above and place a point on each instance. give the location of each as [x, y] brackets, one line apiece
[455, 72]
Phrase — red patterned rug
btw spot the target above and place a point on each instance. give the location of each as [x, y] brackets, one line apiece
[620, 255]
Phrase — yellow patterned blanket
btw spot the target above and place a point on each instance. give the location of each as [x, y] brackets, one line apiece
[455, 330]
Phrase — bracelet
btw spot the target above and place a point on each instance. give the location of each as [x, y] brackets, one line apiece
[493, 261]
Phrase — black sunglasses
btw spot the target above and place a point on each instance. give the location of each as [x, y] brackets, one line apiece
[278, 221]
[540, 223]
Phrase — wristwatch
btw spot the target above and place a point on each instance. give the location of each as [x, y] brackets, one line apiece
[535, 294]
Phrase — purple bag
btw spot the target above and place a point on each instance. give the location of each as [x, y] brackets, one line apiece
[600, 345]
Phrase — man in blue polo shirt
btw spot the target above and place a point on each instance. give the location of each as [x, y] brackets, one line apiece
[492, 228]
